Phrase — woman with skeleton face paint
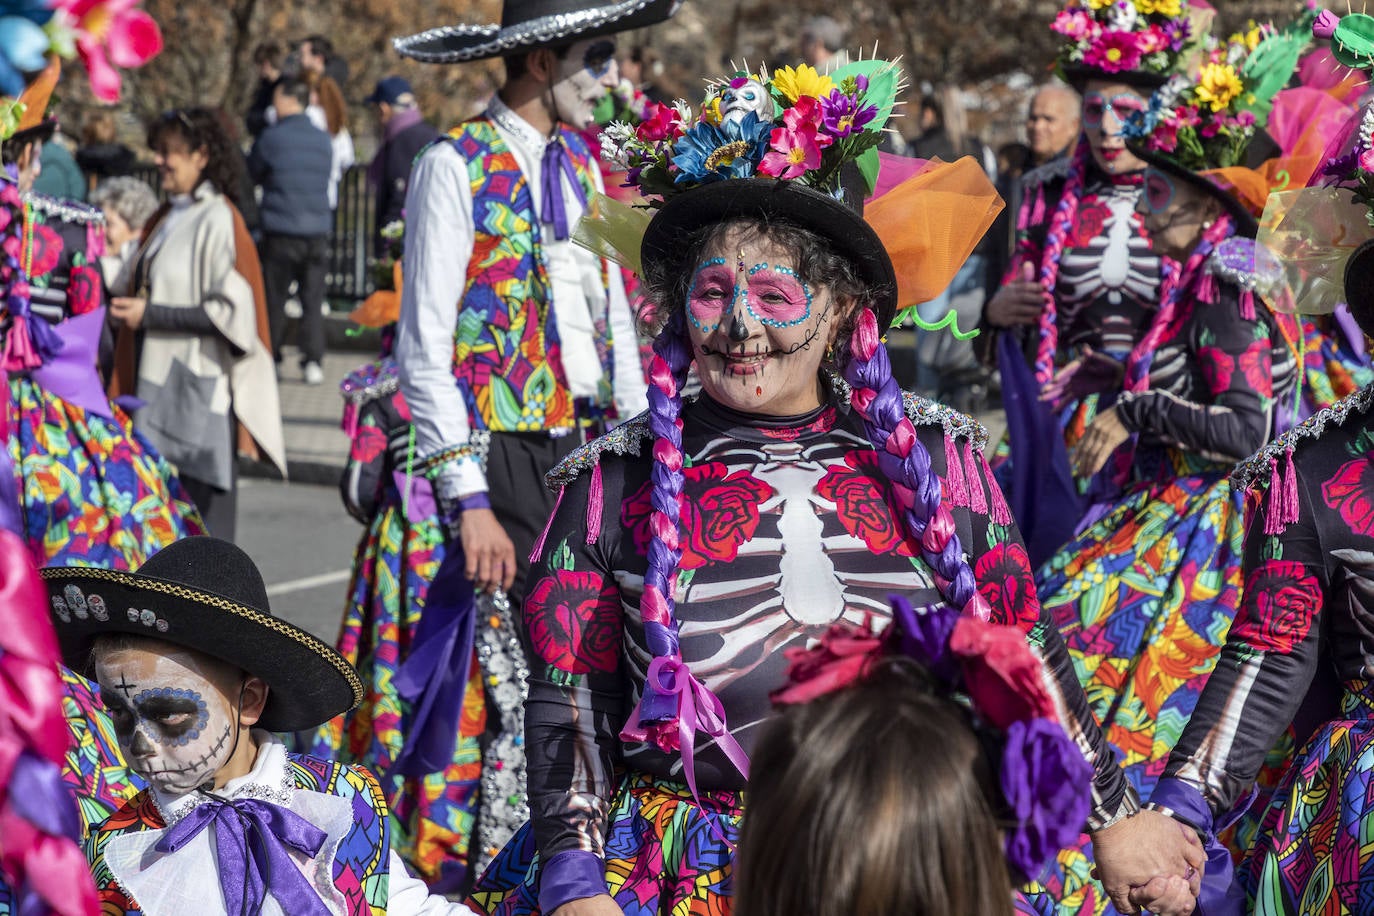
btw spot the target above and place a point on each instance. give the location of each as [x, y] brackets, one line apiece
[196, 674]
[692, 548]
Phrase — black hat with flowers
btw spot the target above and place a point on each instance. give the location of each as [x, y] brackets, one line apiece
[1134, 42]
[530, 24]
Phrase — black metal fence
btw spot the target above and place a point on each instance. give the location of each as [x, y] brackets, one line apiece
[350, 245]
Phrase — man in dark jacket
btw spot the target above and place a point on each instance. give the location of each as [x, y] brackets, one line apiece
[404, 134]
[292, 161]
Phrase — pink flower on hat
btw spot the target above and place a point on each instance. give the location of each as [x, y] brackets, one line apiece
[110, 34]
[1114, 53]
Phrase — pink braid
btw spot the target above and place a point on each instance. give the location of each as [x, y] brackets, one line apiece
[906, 462]
[1055, 239]
[1171, 288]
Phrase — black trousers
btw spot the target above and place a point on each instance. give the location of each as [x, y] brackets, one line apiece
[305, 260]
[516, 465]
[218, 508]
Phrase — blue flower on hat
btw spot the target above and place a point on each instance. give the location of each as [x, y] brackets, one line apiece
[711, 152]
[23, 43]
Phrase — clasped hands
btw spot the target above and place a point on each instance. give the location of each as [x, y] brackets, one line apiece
[1150, 862]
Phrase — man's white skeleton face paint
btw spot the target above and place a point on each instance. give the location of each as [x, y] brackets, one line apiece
[175, 725]
[585, 74]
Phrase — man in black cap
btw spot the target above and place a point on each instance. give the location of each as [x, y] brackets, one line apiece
[404, 134]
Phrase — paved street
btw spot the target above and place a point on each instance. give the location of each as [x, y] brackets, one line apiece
[302, 540]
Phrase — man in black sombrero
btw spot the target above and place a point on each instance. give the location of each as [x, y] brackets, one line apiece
[197, 674]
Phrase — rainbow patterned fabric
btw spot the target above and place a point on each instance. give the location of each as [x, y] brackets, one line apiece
[666, 853]
[506, 349]
[361, 863]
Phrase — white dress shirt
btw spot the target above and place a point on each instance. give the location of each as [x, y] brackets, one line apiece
[440, 235]
[187, 881]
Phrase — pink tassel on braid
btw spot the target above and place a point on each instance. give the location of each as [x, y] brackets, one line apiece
[1055, 239]
[1172, 288]
[906, 462]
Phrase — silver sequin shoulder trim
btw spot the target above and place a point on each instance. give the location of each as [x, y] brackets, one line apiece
[1245, 263]
[1255, 469]
[68, 211]
[626, 439]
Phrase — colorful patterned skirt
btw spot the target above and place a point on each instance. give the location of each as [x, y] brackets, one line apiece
[92, 491]
[1315, 849]
[1331, 370]
[433, 816]
[1144, 598]
[666, 854]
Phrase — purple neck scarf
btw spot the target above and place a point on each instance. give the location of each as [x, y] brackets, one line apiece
[557, 164]
[252, 837]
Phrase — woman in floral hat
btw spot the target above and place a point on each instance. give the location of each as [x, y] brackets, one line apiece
[694, 546]
[1309, 594]
[1143, 596]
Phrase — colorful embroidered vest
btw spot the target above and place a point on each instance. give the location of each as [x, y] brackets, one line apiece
[360, 865]
[506, 351]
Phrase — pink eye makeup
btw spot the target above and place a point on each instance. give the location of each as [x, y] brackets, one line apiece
[773, 294]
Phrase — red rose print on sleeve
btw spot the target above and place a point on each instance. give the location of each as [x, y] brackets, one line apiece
[1256, 364]
[1091, 218]
[1005, 581]
[1281, 600]
[368, 444]
[83, 290]
[861, 497]
[574, 621]
[1348, 492]
[1218, 366]
[46, 251]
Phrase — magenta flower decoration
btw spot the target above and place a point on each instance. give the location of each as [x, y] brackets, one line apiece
[843, 115]
[806, 115]
[1117, 51]
[110, 34]
[792, 153]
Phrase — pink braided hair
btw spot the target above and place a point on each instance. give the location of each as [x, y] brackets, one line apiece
[1055, 239]
[906, 462]
[1172, 285]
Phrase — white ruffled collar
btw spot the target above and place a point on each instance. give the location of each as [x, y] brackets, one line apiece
[269, 780]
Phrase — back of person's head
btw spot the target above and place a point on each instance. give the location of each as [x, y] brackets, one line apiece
[98, 128]
[827, 31]
[131, 198]
[517, 65]
[877, 799]
[295, 88]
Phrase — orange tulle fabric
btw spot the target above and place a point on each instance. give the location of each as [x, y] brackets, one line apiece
[382, 307]
[930, 224]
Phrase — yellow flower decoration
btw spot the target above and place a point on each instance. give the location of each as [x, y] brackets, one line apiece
[803, 81]
[1100, 4]
[1160, 7]
[1217, 85]
[710, 112]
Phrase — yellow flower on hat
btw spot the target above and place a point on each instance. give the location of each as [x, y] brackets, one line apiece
[1160, 7]
[710, 112]
[803, 81]
[1100, 4]
[1217, 85]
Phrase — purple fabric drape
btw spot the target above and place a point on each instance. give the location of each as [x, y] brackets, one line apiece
[557, 165]
[70, 373]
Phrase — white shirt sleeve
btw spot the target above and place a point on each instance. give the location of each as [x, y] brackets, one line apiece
[408, 896]
[438, 245]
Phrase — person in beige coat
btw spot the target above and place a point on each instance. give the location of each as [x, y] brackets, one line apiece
[193, 328]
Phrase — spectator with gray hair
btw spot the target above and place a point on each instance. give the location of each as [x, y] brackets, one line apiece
[404, 134]
[822, 44]
[128, 204]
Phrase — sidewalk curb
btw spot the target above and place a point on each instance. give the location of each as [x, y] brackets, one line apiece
[314, 473]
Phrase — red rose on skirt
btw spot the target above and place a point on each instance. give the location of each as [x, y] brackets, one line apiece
[45, 252]
[861, 497]
[1350, 491]
[1005, 581]
[83, 290]
[720, 512]
[1281, 599]
[574, 622]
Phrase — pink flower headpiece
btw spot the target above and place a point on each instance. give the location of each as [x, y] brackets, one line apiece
[1145, 37]
[1046, 782]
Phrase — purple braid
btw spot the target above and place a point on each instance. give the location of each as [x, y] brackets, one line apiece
[906, 462]
[1171, 287]
[1055, 239]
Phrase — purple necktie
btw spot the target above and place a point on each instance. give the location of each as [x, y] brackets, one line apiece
[557, 164]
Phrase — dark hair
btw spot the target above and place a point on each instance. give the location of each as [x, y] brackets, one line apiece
[517, 65]
[835, 825]
[199, 129]
[930, 103]
[294, 87]
[667, 281]
[268, 52]
[319, 46]
[99, 127]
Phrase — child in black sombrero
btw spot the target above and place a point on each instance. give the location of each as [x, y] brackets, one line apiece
[189, 658]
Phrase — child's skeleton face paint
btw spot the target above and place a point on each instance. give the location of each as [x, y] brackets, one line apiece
[758, 330]
[175, 718]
